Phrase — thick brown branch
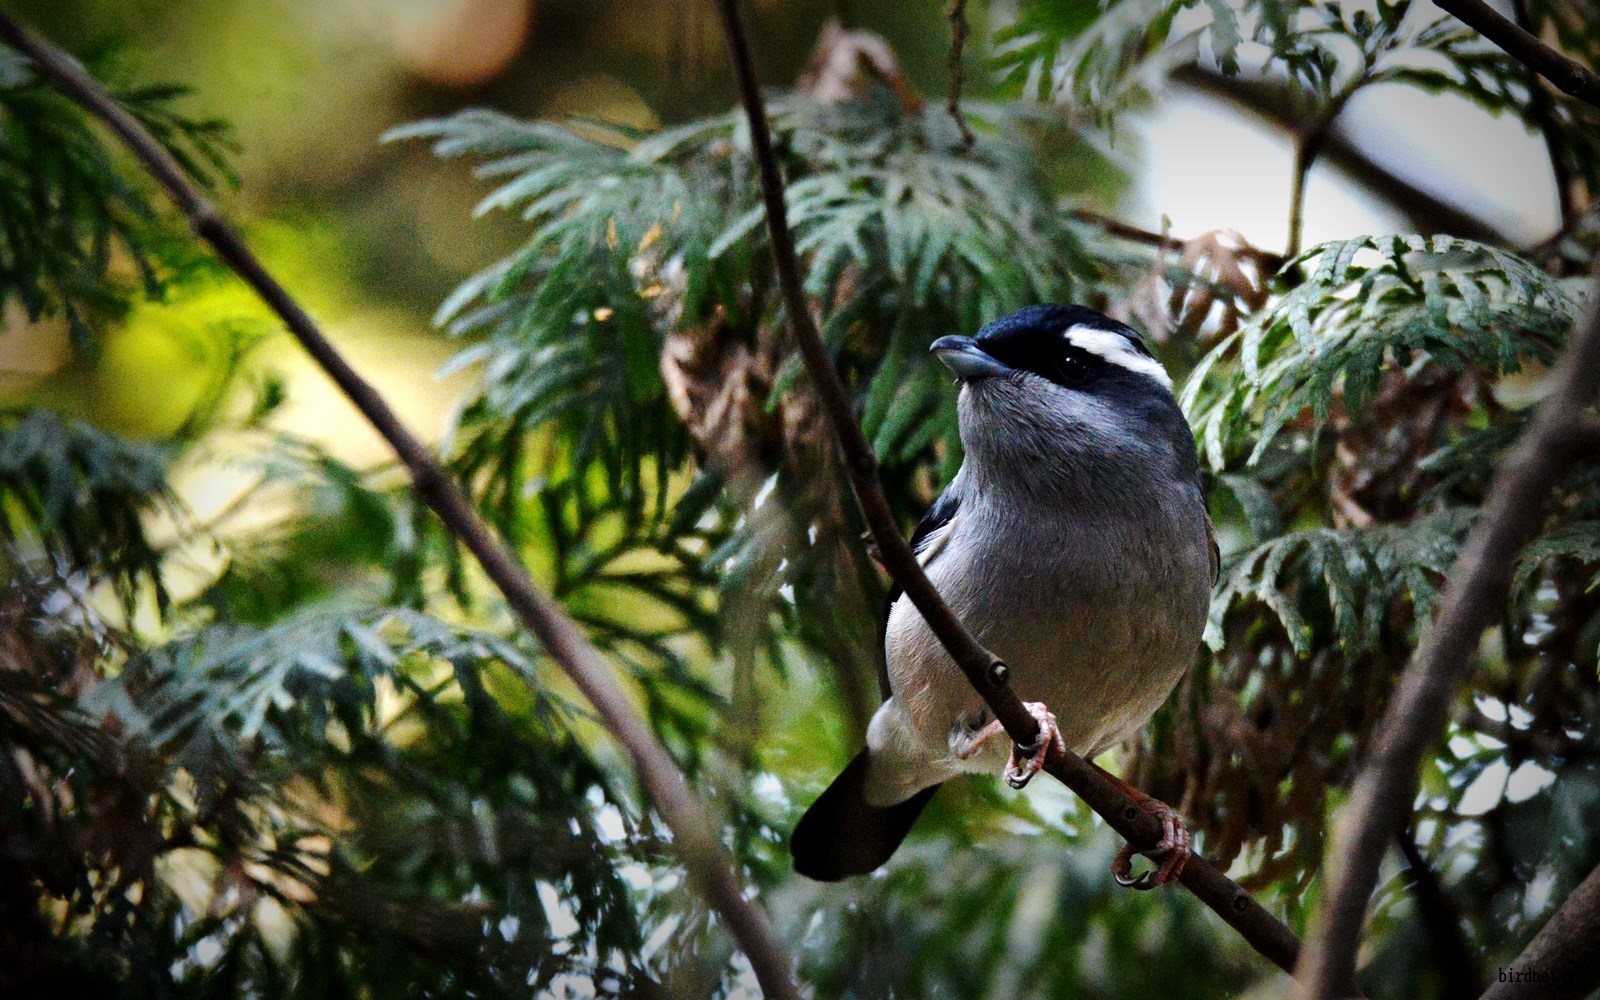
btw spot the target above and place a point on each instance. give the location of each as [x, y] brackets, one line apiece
[1563, 959]
[709, 864]
[982, 668]
[1568, 76]
[1383, 792]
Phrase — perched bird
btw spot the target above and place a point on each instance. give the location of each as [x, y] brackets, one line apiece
[1074, 543]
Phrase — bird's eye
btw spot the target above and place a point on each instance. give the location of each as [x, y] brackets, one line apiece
[1071, 370]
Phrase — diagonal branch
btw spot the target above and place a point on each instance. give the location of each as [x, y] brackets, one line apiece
[982, 668]
[709, 864]
[1568, 75]
[1563, 959]
[1383, 792]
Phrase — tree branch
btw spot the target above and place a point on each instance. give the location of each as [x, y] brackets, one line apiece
[982, 668]
[1268, 261]
[1542, 116]
[1268, 102]
[709, 864]
[1567, 950]
[959, 30]
[1384, 789]
[1568, 75]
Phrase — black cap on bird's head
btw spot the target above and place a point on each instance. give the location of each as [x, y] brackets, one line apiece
[1072, 346]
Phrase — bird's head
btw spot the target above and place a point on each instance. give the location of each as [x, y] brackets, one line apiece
[1064, 383]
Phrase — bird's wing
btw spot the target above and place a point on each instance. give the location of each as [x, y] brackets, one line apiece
[1215, 551]
[928, 539]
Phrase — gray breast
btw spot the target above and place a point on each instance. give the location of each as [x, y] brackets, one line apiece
[1097, 613]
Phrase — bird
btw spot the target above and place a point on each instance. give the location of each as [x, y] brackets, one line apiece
[1074, 542]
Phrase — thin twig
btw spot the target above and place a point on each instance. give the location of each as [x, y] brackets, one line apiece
[1309, 142]
[982, 668]
[1458, 967]
[1541, 114]
[1269, 101]
[1269, 261]
[1562, 962]
[959, 30]
[709, 864]
[1381, 797]
[1569, 76]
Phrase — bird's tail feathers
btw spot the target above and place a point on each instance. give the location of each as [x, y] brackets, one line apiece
[843, 835]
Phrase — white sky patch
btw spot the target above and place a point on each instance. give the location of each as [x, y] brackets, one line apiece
[1528, 780]
[1114, 347]
[608, 824]
[1537, 896]
[557, 913]
[1485, 791]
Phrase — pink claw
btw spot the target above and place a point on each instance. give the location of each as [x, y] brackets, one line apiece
[1028, 761]
[1173, 849]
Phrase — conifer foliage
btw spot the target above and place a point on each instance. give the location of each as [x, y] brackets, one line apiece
[333, 766]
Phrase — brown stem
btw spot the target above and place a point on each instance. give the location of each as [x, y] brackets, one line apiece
[1568, 76]
[982, 668]
[709, 864]
[1542, 115]
[1303, 158]
[1381, 797]
[1565, 953]
[959, 30]
[1308, 145]
[1269, 262]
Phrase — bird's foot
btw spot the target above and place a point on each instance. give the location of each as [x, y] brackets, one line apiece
[1172, 848]
[1028, 761]
[1025, 761]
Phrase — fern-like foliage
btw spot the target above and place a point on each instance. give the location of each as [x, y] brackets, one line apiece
[335, 768]
[645, 286]
[1097, 56]
[634, 237]
[453, 786]
[77, 240]
[1352, 426]
[1366, 305]
[80, 498]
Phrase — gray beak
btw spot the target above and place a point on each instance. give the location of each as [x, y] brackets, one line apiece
[963, 356]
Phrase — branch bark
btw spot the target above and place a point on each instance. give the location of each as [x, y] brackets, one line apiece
[1568, 75]
[1384, 789]
[1566, 950]
[709, 864]
[987, 674]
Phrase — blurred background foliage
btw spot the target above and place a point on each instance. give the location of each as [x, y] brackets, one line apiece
[269, 733]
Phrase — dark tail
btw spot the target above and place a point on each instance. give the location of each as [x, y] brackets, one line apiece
[841, 835]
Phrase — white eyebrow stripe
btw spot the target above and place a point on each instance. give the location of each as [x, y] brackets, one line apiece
[1114, 347]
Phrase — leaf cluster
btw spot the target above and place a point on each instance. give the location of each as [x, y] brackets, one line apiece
[77, 240]
[1352, 425]
[81, 499]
